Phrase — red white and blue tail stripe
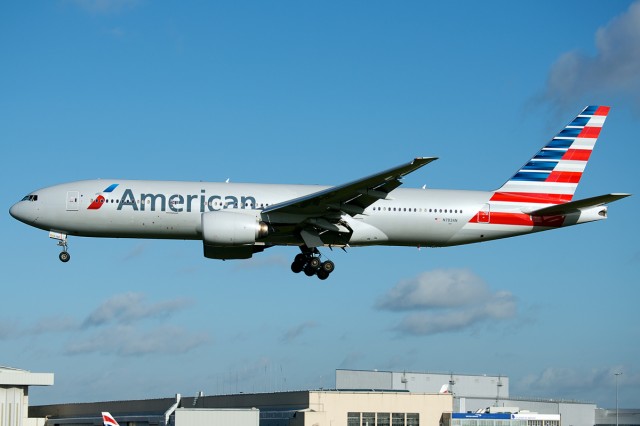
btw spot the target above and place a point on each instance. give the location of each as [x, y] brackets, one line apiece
[108, 419]
[553, 174]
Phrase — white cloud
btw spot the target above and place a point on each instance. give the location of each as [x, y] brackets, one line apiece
[7, 330]
[352, 360]
[613, 69]
[130, 307]
[440, 288]
[295, 332]
[566, 382]
[54, 324]
[124, 308]
[126, 340]
[139, 249]
[115, 328]
[427, 323]
[446, 301]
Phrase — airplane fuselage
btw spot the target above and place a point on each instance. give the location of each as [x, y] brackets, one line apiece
[173, 210]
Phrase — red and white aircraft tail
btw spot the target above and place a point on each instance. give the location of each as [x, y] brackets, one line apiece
[541, 192]
[553, 174]
[108, 419]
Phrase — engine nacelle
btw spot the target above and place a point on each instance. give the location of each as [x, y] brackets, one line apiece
[226, 228]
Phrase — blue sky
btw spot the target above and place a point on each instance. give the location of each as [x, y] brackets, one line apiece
[317, 92]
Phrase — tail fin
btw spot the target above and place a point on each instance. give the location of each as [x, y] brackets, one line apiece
[444, 389]
[108, 419]
[553, 174]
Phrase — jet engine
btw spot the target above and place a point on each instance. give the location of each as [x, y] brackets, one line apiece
[230, 228]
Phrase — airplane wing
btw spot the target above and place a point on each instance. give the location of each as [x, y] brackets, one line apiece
[351, 198]
[316, 217]
[574, 206]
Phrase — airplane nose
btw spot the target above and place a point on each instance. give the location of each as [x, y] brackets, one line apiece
[20, 212]
[14, 211]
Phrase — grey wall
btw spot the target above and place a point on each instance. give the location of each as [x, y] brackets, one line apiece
[465, 385]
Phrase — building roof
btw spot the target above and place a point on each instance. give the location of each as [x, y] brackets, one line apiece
[16, 377]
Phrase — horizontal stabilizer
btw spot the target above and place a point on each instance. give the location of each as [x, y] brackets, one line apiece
[574, 206]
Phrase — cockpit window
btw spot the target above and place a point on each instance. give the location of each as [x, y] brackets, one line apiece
[30, 197]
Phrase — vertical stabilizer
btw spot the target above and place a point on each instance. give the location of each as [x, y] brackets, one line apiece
[108, 419]
[553, 174]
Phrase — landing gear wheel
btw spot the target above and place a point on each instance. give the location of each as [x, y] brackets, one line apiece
[322, 274]
[314, 262]
[328, 267]
[310, 271]
[64, 256]
[309, 262]
[297, 267]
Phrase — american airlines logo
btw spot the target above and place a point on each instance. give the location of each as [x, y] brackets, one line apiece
[175, 203]
[99, 201]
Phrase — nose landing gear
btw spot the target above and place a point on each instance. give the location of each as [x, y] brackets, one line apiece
[309, 262]
[64, 256]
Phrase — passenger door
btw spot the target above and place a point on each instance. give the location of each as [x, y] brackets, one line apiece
[73, 200]
[484, 215]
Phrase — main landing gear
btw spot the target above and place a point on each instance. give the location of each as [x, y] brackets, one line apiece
[309, 262]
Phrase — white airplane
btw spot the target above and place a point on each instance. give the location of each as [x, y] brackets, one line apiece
[236, 220]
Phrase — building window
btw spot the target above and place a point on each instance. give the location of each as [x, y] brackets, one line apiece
[384, 419]
[368, 419]
[397, 419]
[353, 419]
[413, 419]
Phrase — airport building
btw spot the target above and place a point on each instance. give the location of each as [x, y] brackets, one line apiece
[14, 395]
[472, 394]
[622, 417]
[298, 408]
[501, 419]
[361, 398]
